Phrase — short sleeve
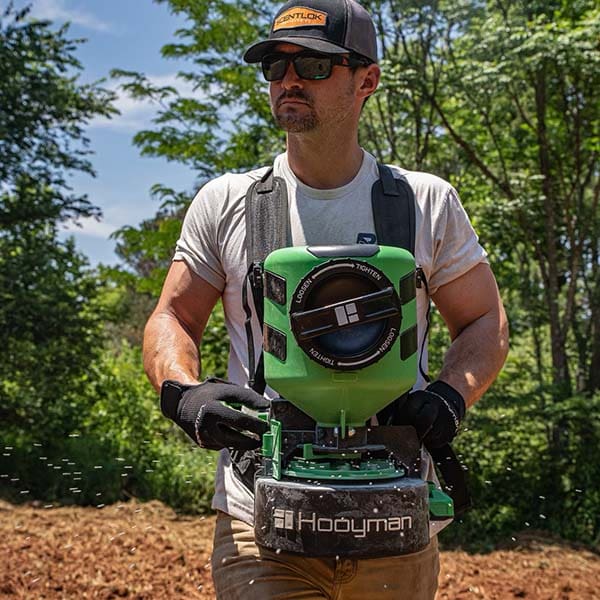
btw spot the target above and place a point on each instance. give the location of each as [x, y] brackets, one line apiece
[198, 244]
[456, 245]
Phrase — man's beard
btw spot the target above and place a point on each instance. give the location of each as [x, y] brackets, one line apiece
[292, 121]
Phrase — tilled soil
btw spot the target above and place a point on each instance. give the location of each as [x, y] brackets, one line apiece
[146, 552]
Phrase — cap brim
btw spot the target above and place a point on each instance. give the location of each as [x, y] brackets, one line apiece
[255, 53]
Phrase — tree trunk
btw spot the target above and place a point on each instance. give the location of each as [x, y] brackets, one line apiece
[560, 370]
[594, 368]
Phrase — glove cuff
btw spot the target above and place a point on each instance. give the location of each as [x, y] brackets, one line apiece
[170, 395]
[447, 392]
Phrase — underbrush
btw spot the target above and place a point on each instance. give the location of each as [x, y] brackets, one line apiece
[533, 461]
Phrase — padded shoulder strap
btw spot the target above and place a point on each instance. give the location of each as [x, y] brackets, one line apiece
[266, 230]
[266, 217]
[393, 202]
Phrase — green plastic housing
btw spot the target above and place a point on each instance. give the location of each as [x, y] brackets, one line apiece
[340, 398]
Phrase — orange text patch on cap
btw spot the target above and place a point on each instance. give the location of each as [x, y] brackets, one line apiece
[300, 16]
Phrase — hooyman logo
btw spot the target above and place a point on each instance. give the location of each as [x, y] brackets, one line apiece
[356, 527]
[300, 16]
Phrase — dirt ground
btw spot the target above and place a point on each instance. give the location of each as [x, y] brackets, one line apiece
[146, 552]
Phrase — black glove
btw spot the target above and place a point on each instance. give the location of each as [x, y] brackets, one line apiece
[200, 412]
[435, 412]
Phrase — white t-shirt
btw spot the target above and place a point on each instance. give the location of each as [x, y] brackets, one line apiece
[212, 244]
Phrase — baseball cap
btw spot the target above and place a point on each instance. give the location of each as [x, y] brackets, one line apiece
[331, 26]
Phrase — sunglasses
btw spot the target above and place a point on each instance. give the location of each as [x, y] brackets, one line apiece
[307, 64]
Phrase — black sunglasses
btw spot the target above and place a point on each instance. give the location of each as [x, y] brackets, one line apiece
[307, 64]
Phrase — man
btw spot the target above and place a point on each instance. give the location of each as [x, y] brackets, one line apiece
[321, 62]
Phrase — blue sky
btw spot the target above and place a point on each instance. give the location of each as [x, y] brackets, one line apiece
[125, 34]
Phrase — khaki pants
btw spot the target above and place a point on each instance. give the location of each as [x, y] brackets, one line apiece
[241, 569]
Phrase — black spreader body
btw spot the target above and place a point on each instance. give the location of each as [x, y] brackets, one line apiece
[360, 520]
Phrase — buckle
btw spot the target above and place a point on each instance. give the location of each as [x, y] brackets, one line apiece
[256, 276]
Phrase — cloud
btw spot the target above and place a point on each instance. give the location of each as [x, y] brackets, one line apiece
[125, 212]
[58, 10]
[138, 114]
[91, 227]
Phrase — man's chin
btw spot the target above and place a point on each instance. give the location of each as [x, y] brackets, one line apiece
[296, 123]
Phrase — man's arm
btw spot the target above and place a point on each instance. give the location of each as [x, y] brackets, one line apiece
[473, 311]
[174, 330]
[171, 340]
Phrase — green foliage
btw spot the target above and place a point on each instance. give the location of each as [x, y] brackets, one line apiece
[146, 251]
[48, 323]
[78, 422]
[226, 125]
[50, 331]
[503, 100]
[166, 464]
[43, 110]
[215, 345]
[121, 447]
[517, 479]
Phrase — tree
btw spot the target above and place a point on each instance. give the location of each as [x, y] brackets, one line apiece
[49, 325]
[43, 110]
[227, 124]
[513, 86]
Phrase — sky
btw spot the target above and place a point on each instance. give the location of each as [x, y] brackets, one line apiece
[124, 34]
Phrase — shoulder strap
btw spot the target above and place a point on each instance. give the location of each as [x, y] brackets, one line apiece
[266, 230]
[393, 203]
[266, 217]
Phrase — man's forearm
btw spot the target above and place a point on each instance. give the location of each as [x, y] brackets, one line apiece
[170, 352]
[476, 356]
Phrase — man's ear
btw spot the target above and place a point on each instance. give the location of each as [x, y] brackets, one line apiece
[370, 80]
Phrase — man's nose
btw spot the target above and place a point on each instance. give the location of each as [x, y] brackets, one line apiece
[291, 78]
